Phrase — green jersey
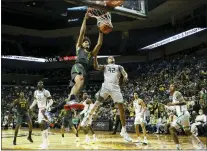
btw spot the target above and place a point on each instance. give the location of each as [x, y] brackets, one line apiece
[21, 106]
[84, 58]
[66, 114]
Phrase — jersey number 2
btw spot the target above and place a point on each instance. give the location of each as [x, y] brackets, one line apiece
[111, 70]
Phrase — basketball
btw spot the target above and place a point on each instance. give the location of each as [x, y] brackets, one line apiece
[114, 3]
[105, 28]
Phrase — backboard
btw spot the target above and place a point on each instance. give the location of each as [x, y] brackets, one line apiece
[131, 8]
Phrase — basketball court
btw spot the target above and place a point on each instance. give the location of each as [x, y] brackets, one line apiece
[105, 141]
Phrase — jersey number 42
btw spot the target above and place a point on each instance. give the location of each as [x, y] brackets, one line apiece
[111, 70]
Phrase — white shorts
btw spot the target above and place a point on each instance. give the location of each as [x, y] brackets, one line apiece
[182, 121]
[109, 89]
[42, 118]
[138, 120]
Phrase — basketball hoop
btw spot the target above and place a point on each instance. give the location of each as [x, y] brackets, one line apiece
[103, 19]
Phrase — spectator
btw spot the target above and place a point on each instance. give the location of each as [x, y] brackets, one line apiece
[199, 122]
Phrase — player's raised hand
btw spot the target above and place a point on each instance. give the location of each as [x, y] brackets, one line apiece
[87, 15]
[125, 79]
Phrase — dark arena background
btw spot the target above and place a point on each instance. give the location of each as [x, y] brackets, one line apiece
[158, 43]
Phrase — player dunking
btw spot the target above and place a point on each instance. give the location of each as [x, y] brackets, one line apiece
[43, 100]
[140, 109]
[182, 120]
[22, 106]
[84, 61]
[110, 87]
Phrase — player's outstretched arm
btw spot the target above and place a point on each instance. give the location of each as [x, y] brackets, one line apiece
[50, 102]
[123, 72]
[96, 65]
[98, 45]
[33, 103]
[82, 32]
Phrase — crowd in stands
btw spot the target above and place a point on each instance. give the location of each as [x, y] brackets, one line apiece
[151, 81]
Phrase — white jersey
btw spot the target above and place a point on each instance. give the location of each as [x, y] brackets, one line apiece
[201, 118]
[138, 108]
[87, 108]
[112, 73]
[178, 97]
[41, 97]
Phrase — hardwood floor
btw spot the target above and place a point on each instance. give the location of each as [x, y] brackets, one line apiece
[105, 141]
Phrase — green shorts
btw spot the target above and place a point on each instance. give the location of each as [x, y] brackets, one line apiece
[76, 121]
[67, 122]
[78, 69]
[23, 117]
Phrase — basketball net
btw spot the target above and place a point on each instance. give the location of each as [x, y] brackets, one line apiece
[102, 17]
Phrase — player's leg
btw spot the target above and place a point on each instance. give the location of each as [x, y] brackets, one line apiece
[194, 129]
[100, 97]
[29, 122]
[62, 130]
[122, 115]
[79, 82]
[137, 132]
[19, 121]
[44, 130]
[123, 122]
[91, 129]
[99, 100]
[144, 131]
[117, 97]
[117, 121]
[73, 129]
[173, 132]
[85, 131]
[78, 74]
